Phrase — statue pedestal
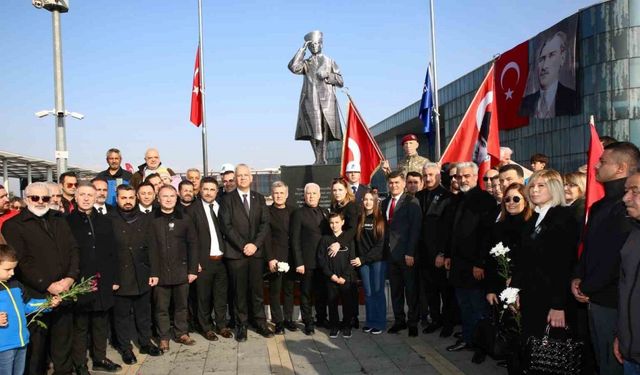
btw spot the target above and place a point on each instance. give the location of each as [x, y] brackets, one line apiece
[297, 176]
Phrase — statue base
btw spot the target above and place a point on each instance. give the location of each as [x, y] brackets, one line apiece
[297, 176]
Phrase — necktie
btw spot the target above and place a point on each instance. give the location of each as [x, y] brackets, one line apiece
[213, 213]
[392, 208]
[245, 203]
[543, 107]
[147, 211]
[354, 189]
[100, 209]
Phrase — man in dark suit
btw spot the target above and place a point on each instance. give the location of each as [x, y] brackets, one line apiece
[465, 257]
[245, 223]
[353, 177]
[212, 279]
[403, 217]
[553, 98]
[102, 190]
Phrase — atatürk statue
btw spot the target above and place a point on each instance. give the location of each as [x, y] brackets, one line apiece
[318, 118]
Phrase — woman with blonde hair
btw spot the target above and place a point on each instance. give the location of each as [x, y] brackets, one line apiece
[575, 188]
[547, 257]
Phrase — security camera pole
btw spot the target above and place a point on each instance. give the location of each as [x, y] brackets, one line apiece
[56, 7]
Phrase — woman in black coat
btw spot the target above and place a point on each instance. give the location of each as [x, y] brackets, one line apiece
[547, 258]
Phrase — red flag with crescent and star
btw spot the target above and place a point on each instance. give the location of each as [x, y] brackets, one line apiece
[359, 146]
[196, 95]
[477, 138]
[595, 189]
[512, 70]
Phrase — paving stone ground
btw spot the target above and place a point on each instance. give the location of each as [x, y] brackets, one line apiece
[295, 353]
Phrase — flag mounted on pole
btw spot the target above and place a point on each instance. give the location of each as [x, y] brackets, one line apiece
[595, 189]
[426, 105]
[477, 138]
[196, 94]
[359, 146]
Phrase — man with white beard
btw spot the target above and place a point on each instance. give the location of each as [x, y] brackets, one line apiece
[56, 196]
[48, 264]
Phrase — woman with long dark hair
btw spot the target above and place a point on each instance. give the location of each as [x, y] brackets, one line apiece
[370, 246]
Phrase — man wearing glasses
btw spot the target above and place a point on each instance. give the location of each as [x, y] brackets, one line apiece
[48, 265]
[68, 183]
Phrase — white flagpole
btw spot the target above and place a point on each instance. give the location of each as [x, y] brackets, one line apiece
[435, 81]
[205, 157]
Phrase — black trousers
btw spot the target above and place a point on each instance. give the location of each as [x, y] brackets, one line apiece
[212, 285]
[58, 336]
[98, 323]
[127, 324]
[163, 295]
[281, 283]
[436, 295]
[246, 277]
[313, 287]
[404, 285]
[344, 292]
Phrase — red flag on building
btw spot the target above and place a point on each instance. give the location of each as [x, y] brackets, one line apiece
[595, 189]
[359, 146]
[512, 70]
[477, 138]
[196, 97]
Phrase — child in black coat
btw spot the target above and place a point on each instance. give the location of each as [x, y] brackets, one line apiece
[336, 265]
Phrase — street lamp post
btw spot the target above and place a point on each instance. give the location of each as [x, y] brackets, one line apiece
[56, 7]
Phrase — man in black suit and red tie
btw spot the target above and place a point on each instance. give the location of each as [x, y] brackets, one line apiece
[245, 223]
[404, 217]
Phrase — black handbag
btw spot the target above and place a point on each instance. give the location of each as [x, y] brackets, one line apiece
[548, 355]
[493, 335]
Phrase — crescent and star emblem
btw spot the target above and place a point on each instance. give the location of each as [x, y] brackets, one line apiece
[511, 65]
[352, 145]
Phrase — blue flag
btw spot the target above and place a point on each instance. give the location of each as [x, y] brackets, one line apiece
[426, 105]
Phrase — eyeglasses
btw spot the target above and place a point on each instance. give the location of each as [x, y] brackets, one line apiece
[70, 185]
[515, 199]
[37, 198]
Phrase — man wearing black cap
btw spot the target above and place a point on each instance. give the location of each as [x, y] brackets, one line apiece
[412, 161]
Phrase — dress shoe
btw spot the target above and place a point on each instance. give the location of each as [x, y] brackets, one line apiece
[279, 329]
[106, 365]
[225, 332]
[346, 333]
[457, 335]
[82, 370]
[478, 357]
[211, 336]
[334, 333]
[164, 345]
[355, 323]
[396, 328]
[375, 331]
[459, 345]
[128, 357]
[446, 331]
[152, 350]
[291, 326]
[309, 329]
[413, 331]
[366, 329]
[264, 332]
[186, 340]
[241, 333]
[431, 328]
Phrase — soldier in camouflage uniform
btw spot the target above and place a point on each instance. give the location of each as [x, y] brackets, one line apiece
[412, 161]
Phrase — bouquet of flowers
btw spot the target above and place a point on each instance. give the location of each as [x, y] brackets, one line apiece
[283, 267]
[509, 298]
[85, 286]
[500, 253]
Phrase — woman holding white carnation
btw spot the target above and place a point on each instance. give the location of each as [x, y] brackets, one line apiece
[547, 257]
[509, 230]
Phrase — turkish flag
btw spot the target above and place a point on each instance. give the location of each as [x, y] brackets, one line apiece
[595, 189]
[477, 138]
[196, 94]
[360, 146]
[512, 70]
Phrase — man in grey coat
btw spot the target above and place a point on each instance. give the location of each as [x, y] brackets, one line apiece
[318, 119]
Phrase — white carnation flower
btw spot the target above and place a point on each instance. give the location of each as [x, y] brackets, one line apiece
[283, 267]
[509, 295]
[499, 250]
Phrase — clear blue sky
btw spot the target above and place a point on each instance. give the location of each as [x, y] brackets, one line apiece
[128, 67]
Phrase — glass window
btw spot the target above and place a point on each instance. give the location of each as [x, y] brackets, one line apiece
[603, 47]
[634, 72]
[588, 80]
[634, 41]
[587, 51]
[634, 103]
[634, 131]
[634, 13]
[620, 104]
[620, 13]
[603, 77]
[601, 18]
[620, 129]
[587, 20]
[619, 45]
[603, 102]
[620, 74]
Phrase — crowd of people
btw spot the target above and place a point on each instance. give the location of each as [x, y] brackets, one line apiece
[173, 256]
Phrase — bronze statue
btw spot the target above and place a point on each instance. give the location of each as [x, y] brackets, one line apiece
[318, 118]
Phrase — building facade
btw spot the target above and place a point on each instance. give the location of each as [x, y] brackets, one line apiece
[608, 85]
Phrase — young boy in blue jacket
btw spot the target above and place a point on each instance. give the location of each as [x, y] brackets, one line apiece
[14, 335]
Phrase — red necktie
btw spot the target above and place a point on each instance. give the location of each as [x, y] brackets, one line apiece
[393, 206]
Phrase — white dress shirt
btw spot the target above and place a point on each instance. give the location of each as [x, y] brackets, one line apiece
[397, 198]
[542, 212]
[144, 209]
[248, 194]
[103, 207]
[214, 249]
